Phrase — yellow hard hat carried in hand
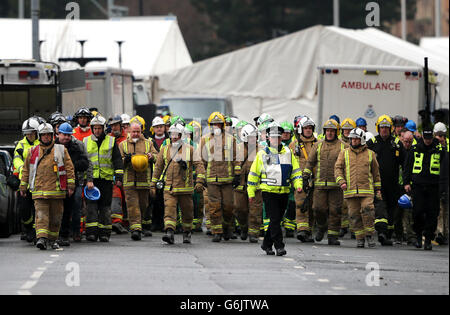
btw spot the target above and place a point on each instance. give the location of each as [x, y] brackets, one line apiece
[348, 123]
[216, 118]
[384, 121]
[139, 162]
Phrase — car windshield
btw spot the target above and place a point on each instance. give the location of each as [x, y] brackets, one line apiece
[199, 109]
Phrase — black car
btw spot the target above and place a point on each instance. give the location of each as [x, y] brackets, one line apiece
[9, 216]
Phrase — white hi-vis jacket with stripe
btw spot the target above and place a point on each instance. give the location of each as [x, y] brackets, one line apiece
[358, 168]
[274, 172]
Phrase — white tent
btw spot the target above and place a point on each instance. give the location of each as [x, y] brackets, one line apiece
[280, 76]
[437, 45]
[152, 45]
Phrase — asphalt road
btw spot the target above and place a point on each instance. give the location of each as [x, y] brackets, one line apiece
[151, 267]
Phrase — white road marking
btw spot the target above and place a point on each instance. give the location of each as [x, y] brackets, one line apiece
[36, 275]
[23, 292]
[323, 280]
[299, 267]
[28, 285]
[309, 273]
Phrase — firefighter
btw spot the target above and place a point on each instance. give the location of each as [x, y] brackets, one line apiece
[440, 133]
[72, 205]
[173, 174]
[25, 203]
[421, 178]
[157, 205]
[125, 122]
[137, 152]
[107, 163]
[390, 155]
[301, 146]
[48, 172]
[218, 151]
[83, 118]
[249, 217]
[274, 170]
[356, 172]
[328, 197]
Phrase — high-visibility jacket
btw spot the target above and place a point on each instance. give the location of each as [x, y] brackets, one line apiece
[131, 178]
[21, 153]
[322, 159]
[423, 164]
[274, 172]
[102, 158]
[45, 181]
[80, 134]
[219, 156]
[246, 158]
[178, 180]
[358, 168]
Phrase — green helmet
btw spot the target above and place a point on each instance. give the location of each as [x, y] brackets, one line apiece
[189, 129]
[263, 127]
[287, 126]
[177, 120]
[241, 124]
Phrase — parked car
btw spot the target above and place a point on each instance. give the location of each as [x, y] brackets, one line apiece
[9, 214]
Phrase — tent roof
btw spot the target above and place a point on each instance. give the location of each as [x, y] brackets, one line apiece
[152, 45]
[438, 45]
[284, 70]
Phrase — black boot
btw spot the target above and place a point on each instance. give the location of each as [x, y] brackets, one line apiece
[370, 241]
[360, 243]
[64, 241]
[333, 241]
[91, 238]
[418, 242]
[104, 238]
[217, 238]
[187, 237]
[31, 235]
[55, 245]
[244, 235]
[319, 236]
[269, 251]
[169, 237]
[305, 237]
[427, 245]
[42, 243]
[382, 238]
[281, 252]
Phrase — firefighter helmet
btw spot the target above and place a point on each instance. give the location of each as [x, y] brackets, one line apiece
[358, 133]
[332, 124]
[45, 128]
[125, 118]
[216, 118]
[348, 123]
[158, 121]
[384, 121]
[98, 121]
[30, 125]
[139, 120]
[248, 130]
[440, 127]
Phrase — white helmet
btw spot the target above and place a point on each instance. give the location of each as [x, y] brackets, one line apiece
[158, 121]
[305, 122]
[274, 129]
[234, 122]
[45, 128]
[369, 136]
[264, 118]
[98, 121]
[177, 128]
[30, 125]
[125, 118]
[358, 134]
[248, 131]
[440, 127]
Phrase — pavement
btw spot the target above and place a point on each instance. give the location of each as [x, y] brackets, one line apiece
[236, 267]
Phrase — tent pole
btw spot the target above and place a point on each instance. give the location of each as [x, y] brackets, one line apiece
[35, 12]
[437, 17]
[336, 13]
[403, 9]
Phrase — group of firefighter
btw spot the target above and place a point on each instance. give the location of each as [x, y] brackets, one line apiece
[86, 176]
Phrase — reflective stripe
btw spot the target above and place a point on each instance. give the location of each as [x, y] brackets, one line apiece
[92, 224]
[136, 227]
[105, 227]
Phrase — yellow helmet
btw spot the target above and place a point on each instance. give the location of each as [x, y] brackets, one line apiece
[166, 119]
[139, 162]
[94, 113]
[196, 124]
[384, 121]
[139, 120]
[216, 118]
[332, 124]
[348, 123]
